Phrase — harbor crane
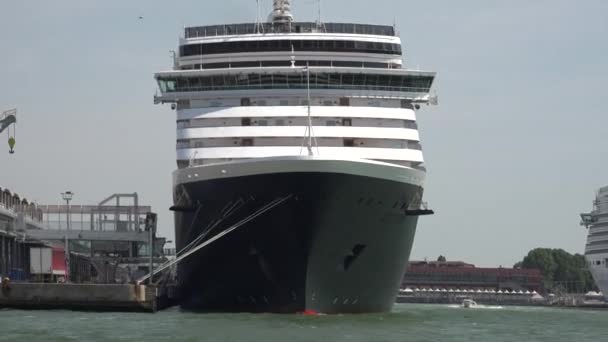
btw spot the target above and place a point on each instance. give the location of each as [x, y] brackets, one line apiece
[8, 119]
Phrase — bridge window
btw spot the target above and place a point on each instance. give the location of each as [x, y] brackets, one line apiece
[406, 83]
[285, 45]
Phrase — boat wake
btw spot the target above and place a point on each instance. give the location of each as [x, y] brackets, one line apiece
[477, 307]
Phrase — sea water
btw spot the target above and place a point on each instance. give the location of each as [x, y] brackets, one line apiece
[407, 322]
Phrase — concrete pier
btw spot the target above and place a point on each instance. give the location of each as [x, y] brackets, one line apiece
[85, 297]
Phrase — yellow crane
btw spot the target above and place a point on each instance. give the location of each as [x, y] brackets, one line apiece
[8, 120]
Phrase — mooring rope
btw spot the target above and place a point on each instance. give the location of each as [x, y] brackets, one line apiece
[249, 218]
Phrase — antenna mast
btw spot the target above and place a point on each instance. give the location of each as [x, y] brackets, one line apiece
[320, 24]
[319, 12]
[281, 12]
[259, 27]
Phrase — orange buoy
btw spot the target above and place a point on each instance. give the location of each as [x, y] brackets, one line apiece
[309, 312]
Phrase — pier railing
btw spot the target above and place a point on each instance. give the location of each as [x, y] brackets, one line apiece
[107, 218]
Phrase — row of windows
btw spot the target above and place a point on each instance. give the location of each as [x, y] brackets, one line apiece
[404, 83]
[289, 45]
[595, 263]
[294, 121]
[295, 101]
[596, 234]
[251, 28]
[414, 276]
[597, 251]
[285, 63]
[600, 242]
[327, 142]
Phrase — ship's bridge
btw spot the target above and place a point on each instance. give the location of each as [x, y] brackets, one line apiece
[401, 83]
[294, 27]
[275, 44]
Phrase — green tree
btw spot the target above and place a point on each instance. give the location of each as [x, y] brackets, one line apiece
[441, 259]
[561, 270]
[542, 259]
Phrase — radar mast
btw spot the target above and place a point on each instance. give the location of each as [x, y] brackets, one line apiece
[281, 12]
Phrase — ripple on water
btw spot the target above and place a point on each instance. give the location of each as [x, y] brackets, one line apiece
[407, 322]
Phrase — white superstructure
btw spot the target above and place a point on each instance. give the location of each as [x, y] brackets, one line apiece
[596, 250]
[241, 91]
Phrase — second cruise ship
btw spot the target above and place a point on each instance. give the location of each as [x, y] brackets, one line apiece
[300, 168]
[596, 250]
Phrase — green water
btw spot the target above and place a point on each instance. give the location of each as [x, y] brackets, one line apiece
[407, 322]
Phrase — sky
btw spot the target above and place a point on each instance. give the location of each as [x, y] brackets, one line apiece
[515, 150]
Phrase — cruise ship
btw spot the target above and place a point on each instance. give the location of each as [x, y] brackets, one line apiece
[300, 168]
[596, 250]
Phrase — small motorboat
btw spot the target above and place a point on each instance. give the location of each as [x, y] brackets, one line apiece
[468, 303]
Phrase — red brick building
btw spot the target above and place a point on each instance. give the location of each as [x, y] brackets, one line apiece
[460, 275]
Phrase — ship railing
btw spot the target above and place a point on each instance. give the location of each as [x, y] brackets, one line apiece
[300, 86]
[598, 239]
[306, 27]
[600, 229]
[86, 225]
[595, 248]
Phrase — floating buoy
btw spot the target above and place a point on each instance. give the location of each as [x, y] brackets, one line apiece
[11, 145]
[310, 313]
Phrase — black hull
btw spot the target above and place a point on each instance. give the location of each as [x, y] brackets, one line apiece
[338, 243]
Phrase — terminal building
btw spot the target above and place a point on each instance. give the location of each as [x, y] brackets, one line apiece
[106, 242]
[458, 275]
[17, 214]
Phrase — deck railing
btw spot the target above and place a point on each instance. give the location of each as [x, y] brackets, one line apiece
[262, 28]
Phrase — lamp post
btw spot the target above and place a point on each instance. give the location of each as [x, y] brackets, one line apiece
[67, 197]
